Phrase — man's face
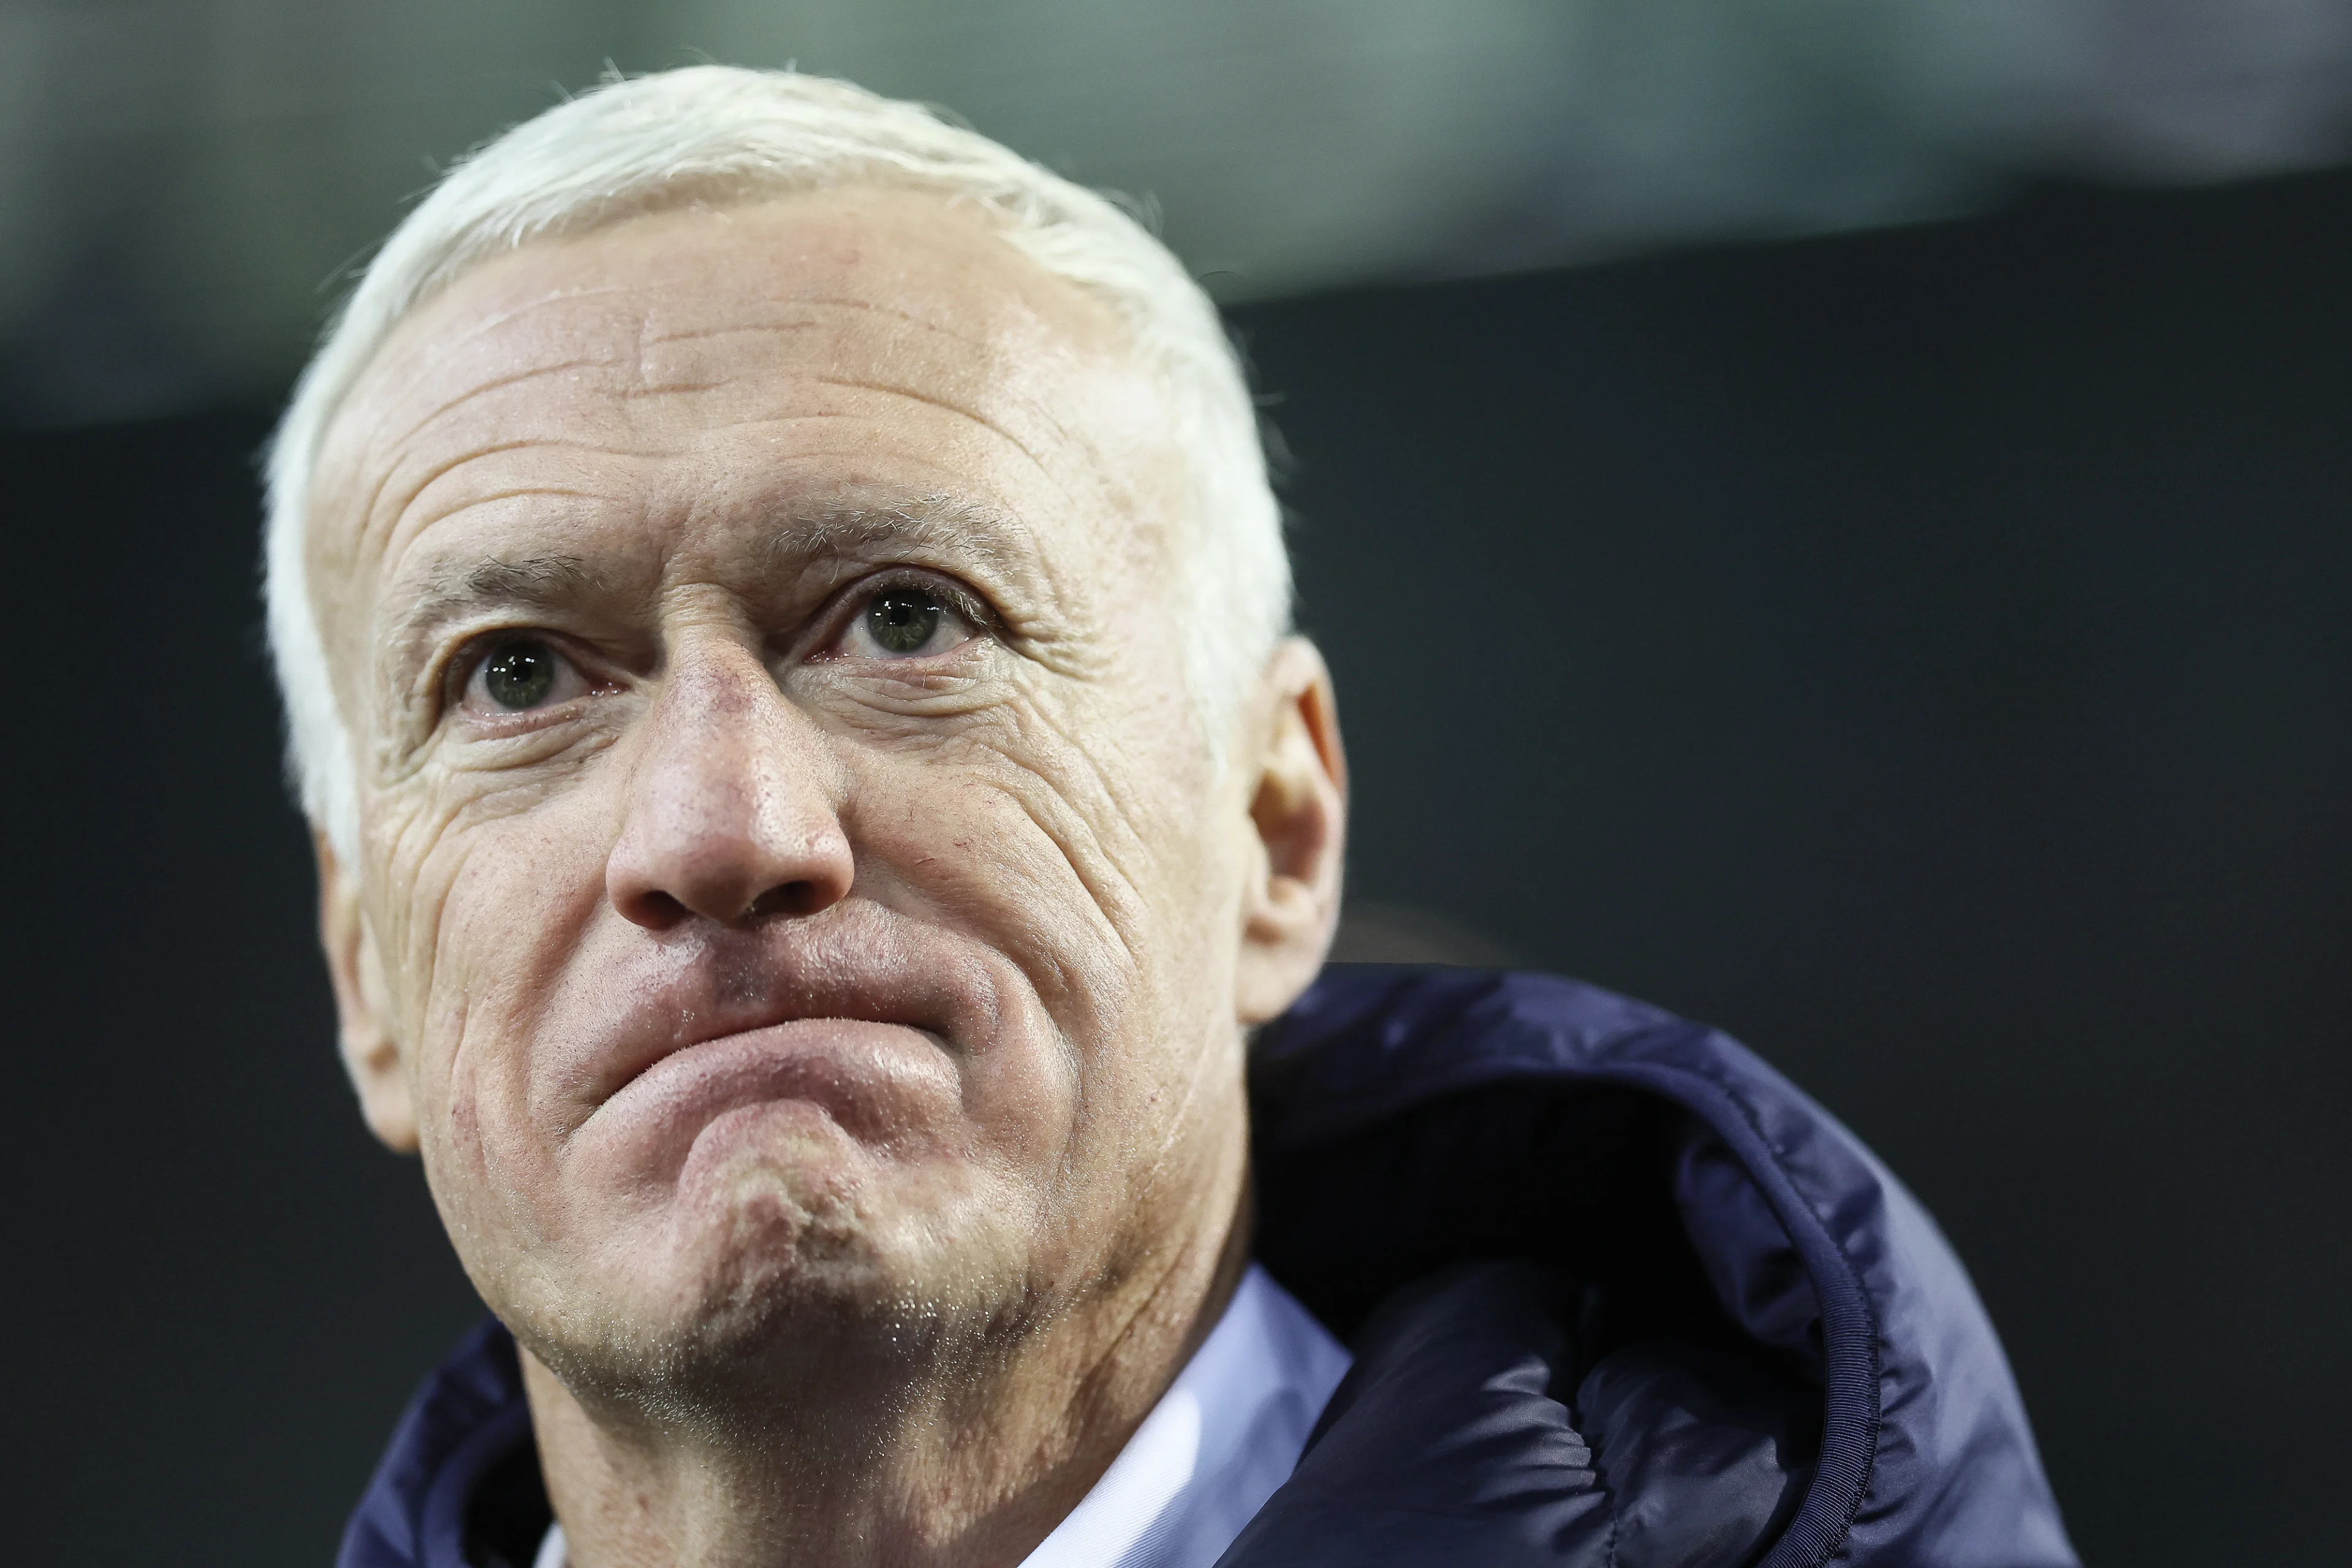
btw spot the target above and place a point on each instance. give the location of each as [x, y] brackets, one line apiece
[795, 879]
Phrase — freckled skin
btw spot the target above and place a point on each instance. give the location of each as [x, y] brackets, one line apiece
[826, 1061]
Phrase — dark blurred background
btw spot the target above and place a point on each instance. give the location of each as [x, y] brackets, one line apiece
[1830, 517]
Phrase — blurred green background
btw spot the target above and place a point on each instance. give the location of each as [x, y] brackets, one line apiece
[183, 184]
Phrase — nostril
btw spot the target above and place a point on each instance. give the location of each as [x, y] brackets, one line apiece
[656, 911]
[795, 897]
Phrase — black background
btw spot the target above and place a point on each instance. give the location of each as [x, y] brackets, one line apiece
[1925, 654]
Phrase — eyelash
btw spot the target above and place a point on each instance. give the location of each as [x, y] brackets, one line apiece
[946, 590]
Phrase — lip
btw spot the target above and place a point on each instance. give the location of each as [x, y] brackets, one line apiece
[882, 1084]
[627, 1011]
[866, 1020]
[649, 1053]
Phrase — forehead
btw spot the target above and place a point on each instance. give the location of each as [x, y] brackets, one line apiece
[866, 339]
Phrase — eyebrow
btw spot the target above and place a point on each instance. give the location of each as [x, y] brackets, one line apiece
[844, 526]
[850, 525]
[535, 582]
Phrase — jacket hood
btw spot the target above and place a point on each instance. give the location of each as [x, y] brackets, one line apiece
[1748, 1344]
[1619, 1294]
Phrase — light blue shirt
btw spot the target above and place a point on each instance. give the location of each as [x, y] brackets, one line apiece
[1227, 1433]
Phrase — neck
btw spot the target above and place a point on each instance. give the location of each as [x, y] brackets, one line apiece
[971, 1457]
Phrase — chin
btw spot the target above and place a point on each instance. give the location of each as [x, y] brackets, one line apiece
[785, 1262]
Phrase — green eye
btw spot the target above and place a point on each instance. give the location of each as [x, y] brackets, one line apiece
[902, 619]
[519, 675]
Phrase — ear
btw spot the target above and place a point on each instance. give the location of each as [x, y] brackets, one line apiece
[1299, 808]
[370, 1053]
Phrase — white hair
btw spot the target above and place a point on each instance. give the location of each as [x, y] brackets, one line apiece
[720, 135]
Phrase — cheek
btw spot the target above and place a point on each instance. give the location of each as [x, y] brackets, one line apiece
[1094, 869]
[991, 836]
[490, 909]
[490, 889]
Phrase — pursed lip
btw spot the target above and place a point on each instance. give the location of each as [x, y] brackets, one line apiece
[800, 1017]
[701, 1033]
[883, 1084]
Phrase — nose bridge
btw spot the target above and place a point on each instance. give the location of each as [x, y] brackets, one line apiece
[719, 705]
[731, 803]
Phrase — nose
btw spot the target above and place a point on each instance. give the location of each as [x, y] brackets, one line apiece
[731, 809]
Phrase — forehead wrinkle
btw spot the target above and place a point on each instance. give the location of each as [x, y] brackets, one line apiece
[646, 335]
[422, 327]
[532, 443]
[492, 321]
[485, 388]
[945, 406]
[393, 451]
[514, 492]
[921, 323]
[645, 386]
[648, 338]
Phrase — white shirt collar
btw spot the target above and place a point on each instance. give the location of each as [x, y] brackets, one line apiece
[1227, 1433]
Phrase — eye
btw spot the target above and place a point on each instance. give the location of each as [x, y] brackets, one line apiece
[906, 620]
[522, 674]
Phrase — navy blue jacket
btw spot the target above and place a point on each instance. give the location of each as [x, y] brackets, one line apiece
[1619, 1295]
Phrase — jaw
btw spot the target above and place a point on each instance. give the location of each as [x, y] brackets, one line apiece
[791, 1260]
[785, 1304]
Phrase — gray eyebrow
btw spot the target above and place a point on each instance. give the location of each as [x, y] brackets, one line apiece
[854, 524]
[534, 581]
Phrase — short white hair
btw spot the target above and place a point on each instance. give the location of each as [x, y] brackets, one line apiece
[725, 136]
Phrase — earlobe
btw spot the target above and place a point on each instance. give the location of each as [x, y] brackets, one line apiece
[1298, 808]
[354, 966]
